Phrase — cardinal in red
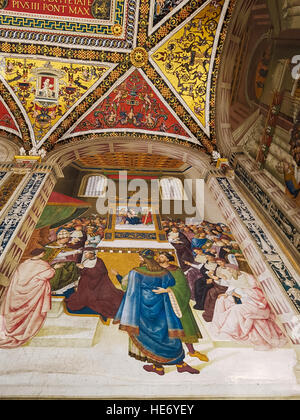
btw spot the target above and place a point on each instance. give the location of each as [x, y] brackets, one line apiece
[26, 302]
[95, 289]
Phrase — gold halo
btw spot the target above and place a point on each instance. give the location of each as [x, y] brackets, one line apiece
[117, 29]
[139, 57]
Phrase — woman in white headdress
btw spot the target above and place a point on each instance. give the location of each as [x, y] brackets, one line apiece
[243, 314]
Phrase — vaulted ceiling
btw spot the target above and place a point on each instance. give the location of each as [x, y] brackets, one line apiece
[75, 69]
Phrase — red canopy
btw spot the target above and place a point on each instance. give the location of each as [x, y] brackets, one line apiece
[58, 199]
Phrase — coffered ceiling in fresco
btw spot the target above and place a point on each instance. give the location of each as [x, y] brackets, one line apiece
[78, 69]
[130, 161]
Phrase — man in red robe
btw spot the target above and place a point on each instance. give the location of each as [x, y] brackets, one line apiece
[95, 289]
[26, 301]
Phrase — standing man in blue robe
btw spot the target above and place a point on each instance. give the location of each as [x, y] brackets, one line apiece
[149, 319]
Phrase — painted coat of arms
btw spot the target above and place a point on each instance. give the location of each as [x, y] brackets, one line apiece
[101, 9]
[47, 84]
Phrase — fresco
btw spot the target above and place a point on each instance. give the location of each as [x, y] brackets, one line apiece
[47, 90]
[6, 119]
[211, 276]
[295, 140]
[264, 239]
[130, 160]
[91, 16]
[290, 175]
[262, 71]
[132, 105]
[133, 303]
[162, 8]
[91, 23]
[7, 188]
[79, 9]
[134, 218]
[185, 58]
[16, 213]
[115, 43]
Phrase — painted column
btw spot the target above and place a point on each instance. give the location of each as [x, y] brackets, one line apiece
[269, 131]
[271, 268]
[230, 51]
[29, 190]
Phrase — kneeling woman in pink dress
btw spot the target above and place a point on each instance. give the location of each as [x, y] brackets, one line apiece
[243, 314]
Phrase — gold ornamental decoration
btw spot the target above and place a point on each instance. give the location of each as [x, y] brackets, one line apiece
[117, 29]
[139, 57]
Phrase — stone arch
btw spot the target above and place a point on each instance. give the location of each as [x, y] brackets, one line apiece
[238, 24]
[8, 150]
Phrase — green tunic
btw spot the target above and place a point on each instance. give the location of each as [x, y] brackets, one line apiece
[64, 275]
[182, 293]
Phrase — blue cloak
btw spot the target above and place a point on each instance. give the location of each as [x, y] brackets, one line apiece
[292, 188]
[134, 220]
[149, 318]
[198, 242]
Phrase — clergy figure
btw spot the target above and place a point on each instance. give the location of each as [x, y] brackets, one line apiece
[220, 283]
[95, 289]
[63, 258]
[149, 318]
[183, 247]
[26, 302]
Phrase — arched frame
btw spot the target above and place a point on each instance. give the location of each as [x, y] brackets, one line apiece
[82, 192]
[67, 154]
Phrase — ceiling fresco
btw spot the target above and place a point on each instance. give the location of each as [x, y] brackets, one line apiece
[130, 161]
[7, 119]
[78, 69]
[161, 10]
[80, 23]
[185, 60]
[135, 105]
[48, 90]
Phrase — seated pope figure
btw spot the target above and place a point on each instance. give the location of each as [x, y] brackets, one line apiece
[132, 218]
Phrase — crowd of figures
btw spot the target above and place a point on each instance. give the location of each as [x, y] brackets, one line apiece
[67, 265]
[222, 284]
[66, 246]
[84, 231]
[153, 302]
